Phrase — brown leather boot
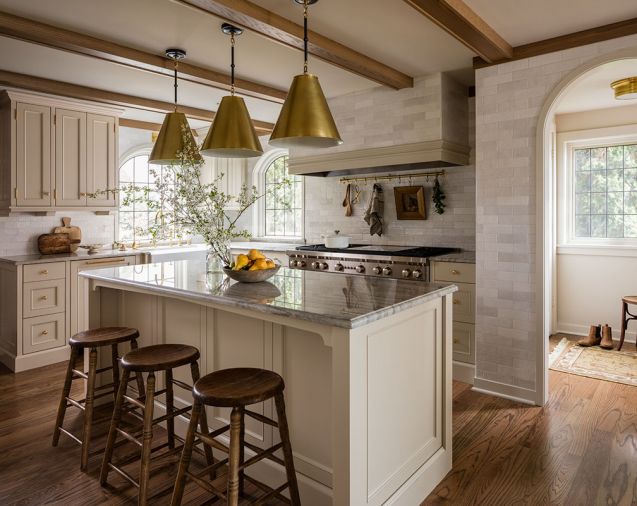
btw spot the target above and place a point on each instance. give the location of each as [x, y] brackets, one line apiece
[594, 336]
[607, 338]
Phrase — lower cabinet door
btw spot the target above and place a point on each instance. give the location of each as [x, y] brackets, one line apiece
[43, 333]
[464, 342]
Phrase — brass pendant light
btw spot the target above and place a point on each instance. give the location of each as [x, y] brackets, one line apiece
[232, 133]
[305, 119]
[625, 89]
[171, 139]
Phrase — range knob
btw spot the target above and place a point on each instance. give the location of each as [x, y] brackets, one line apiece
[316, 265]
[339, 267]
[294, 263]
[300, 263]
[377, 269]
[417, 273]
[324, 266]
[360, 269]
[387, 271]
[406, 273]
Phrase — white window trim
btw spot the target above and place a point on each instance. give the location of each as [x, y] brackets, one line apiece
[258, 210]
[567, 243]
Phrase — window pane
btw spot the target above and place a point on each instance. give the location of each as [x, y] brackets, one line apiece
[582, 159]
[615, 180]
[630, 203]
[615, 203]
[615, 157]
[583, 203]
[630, 226]
[630, 156]
[598, 226]
[598, 158]
[598, 181]
[615, 226]
[583, 182]
[582, 226]
[598, 203]
[126, 171]
[630, 180]
[141, 169]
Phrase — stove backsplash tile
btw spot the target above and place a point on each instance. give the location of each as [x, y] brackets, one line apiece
[455, 228]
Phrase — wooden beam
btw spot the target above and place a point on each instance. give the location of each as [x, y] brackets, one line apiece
[42, 85]
[67, 40]
[145, 125]
[460, 21]
[571, 40]
[282, 30]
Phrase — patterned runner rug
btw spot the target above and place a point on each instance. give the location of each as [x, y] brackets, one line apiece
[594, 362]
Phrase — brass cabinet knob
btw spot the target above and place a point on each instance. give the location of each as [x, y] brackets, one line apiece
[44, 297]
[45, 332]
[45, 272]
[456, 340]
[456, 301]
[454, 272]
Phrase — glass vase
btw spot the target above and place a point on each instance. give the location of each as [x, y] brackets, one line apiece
[214, 265]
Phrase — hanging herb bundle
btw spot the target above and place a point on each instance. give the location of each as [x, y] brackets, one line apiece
[438, 197]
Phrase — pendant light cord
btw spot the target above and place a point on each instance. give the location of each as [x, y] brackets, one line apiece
[305, 36]
[176, 63]
[232, 64]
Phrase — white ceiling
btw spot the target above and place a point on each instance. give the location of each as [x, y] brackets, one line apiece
[521, 22]
[593, 91]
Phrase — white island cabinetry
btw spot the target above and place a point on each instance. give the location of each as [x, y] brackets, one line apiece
[366, 364]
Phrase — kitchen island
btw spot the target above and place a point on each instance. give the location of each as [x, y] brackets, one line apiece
[366, 363]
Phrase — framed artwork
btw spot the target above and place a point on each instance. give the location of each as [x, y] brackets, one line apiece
[410, 202]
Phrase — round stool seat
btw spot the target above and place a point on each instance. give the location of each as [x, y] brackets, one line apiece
[630, 299]
[160, 357]
[238, 387]
[103, 336]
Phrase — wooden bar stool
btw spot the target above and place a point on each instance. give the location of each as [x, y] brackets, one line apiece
[151, 359]
[92, 339]
[236, 389]
[626, 316]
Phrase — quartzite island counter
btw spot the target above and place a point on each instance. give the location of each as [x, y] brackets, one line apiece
[366, 363]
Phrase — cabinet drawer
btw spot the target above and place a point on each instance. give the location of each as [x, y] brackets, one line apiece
[464, 342]
[454, 272]
[464, 303]
[102, 263]
[43, 333]
[43, 297]
[42, 272]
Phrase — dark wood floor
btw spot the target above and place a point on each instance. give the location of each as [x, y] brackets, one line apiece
[580, 449]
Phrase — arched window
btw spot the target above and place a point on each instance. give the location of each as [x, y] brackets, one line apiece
[136, 222]
[280, 213]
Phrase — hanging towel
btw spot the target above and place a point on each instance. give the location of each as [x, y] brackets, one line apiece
[374, 212]
[347, 202]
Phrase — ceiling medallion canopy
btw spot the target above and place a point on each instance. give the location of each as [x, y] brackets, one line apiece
[625, 89]
[232, 133]
[305, 119]
[175, 131]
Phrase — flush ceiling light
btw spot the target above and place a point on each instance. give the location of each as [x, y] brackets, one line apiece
[232, 134]
[625, 89]
[175, 132]
[305, 119]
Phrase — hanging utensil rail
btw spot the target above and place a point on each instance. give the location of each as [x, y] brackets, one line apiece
[391, 177]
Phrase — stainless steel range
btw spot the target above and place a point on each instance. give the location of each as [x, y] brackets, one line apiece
[401, 262]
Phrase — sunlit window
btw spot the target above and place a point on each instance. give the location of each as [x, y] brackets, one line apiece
[283, 204]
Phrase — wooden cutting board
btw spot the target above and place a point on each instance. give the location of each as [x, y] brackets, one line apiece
[50, 244]
[75, 233]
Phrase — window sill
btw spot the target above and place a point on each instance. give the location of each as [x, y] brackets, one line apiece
[607, 250]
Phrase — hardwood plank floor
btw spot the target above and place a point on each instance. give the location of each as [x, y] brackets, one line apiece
[580, 449]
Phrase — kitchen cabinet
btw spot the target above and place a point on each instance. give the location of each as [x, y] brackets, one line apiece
[40, 304]
[235, 174]
[55, 152]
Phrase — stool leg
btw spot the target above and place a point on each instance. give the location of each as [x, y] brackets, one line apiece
[144, 474]
[203, 420]
[287, 449]
[138, 375]
[88, 407]
[186, 454]
[233, 457]
[66, 390]
[242, 435]
[170, 407]
[624, 325]
[112, 432]
[115, 362]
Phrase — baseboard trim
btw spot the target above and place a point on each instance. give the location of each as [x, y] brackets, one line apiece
[582, 330]
[41, 358]
[464, 372]
[505, 391]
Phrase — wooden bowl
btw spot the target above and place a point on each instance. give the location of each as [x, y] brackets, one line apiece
[251, 276]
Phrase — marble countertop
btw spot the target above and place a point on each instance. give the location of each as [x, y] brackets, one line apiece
[463, 257]
[338, 300]
[37, 258]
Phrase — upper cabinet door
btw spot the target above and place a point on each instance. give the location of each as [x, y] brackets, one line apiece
[70, 158]
[101, 169]
[33, 155]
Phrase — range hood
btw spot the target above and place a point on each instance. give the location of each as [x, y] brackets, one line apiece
[423, 127]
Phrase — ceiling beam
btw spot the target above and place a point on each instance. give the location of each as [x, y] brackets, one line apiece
[284, 31]
[42, 85]
[59, 38]
[568, 41]
[460, 21]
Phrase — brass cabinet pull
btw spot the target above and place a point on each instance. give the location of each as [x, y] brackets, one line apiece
[98, 262]
[456, 340]
[454, 272]
[456, 301]
[44, 297]
[45, 272]
[82, 194]
[45, 332]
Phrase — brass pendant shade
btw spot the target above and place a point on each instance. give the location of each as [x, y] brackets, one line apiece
[625, 89]
[305, 119]
[232, 133]
[171, 139]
